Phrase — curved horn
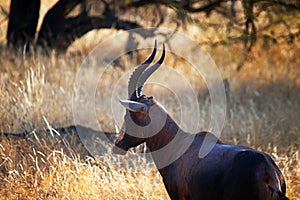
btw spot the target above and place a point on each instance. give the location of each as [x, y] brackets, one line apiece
[147, 73]
[137, 72]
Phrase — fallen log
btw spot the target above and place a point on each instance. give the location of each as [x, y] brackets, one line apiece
[74, 140]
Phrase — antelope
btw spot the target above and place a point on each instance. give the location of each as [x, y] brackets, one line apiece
[227, 172]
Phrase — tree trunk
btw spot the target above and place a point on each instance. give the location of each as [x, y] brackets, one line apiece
[23, 18]
[54, 24]
[58, 30]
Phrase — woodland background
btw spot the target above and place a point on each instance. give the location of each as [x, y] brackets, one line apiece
[255, 44]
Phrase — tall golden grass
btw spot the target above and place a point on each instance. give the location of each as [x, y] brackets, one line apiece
[262, 112]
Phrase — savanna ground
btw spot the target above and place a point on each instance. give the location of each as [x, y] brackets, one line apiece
[36, 92]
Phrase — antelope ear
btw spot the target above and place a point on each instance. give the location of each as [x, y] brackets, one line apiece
[134, 106]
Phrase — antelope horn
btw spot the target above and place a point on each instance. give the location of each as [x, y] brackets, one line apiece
[134, 106]
[147, 73]
[137, 72]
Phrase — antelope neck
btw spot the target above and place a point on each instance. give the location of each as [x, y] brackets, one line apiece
[164, 136]
[169, 144]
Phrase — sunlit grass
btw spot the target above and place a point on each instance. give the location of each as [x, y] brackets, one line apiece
[262, 112]
[259, 115]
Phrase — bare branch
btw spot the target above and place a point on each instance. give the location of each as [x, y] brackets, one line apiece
[179, 5]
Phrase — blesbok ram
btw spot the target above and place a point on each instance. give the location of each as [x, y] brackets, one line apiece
[227, 172]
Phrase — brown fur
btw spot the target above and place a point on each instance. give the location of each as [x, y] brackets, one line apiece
[227, 172]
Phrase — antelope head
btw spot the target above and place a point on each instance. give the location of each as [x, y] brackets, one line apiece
[144, 116]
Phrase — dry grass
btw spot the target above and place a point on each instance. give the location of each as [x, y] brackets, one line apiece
[263, 112]
[56, 176]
